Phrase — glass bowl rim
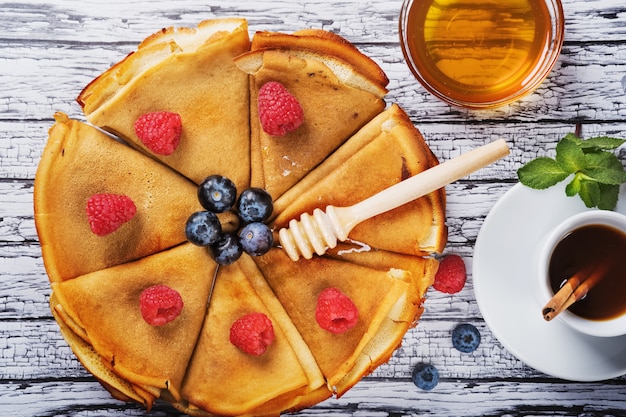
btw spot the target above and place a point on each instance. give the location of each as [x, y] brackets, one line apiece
[539, 74]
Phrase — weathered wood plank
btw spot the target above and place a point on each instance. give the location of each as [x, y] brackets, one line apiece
[587, 84]
[35, 349]
[368, 398]
[478, 398]
[24, 285]
[16, 198]
[24, 142]
[595, 20]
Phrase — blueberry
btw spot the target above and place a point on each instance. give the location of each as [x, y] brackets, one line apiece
[465, 337]
[217, 193]
[227, 249]
[256, 238]
[425, 376]
[203, 228]
[254, 205]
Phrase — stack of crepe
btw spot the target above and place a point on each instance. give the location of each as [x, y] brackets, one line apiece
[349, 147]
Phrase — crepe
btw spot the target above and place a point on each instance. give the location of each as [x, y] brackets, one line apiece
[386, 151]
[92, 361]
[80, 161]
[105, 306]
[190, 72]
[351, 65]
[335, 98]
[422, 269]
[224, 380]
[348, 148]
[298, 285]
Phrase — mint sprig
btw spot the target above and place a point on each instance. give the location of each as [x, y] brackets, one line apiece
[597, 172]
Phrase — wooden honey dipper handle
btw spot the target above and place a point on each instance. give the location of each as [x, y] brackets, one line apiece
[320, 231]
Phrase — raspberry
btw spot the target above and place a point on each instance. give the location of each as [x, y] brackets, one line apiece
[159, 131]
[279, 111]
[252, 333]
[107, 212]
[160, 304]
[451, 276]
[335, 312]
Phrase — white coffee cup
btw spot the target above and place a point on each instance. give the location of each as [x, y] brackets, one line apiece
[602, 328]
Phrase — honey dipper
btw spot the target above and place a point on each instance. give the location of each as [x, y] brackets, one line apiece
[320, 231]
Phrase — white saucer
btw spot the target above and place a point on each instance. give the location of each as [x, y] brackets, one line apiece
[502, 267]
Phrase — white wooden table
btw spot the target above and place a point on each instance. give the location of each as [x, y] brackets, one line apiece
[50, 50]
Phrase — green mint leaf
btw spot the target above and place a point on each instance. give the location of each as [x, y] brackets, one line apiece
[601, 143]
[609, 194]
[590, 193]
[574, 138]
[541, 173]
[574, 186]
[570, 156]
[604, 167]
[598, 173]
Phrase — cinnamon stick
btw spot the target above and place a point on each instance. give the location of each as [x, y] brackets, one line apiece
[556, 303]
[573, 290]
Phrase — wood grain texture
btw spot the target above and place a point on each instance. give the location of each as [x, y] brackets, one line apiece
[372, 21]
[50, 50]
[25, 140]
[586, 84]
[378, 398]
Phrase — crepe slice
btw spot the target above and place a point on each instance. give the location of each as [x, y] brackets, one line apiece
[330, 44]
[119, 388]
[105, 306]
[80, 161]
[386, 151]
[224, 380]
[287, 403]
[317, 390]
[422, 268]
[374, 292]
[336, 100]
[404, 314]
[190, 72]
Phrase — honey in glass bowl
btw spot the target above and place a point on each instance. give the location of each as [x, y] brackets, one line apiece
[481, 53]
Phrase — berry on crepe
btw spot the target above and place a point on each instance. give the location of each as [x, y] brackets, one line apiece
[279, 111]
[252, 333]
[160, 305]
[159, 131]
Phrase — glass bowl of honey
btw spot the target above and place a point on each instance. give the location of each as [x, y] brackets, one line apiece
[481, 54]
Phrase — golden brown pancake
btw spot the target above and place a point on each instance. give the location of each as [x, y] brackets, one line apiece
[192, 73]
[105, 304]
[347, 149]
[404, 314]
[92, 361]
[80, 161]
[423, 269]
[329, 44]
[386, 151]
[298, 285]
[317, 389]
[335, 98]
[224, 380]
